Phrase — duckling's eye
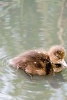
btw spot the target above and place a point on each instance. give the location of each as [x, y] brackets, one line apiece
[58, 65]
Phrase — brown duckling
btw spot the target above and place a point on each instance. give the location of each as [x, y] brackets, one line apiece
[41, 63]
[33, 62]
[57, 55]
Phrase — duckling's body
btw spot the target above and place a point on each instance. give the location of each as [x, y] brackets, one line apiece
[40, 63]
[33, 62]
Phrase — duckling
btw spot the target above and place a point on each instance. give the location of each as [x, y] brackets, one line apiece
[33, 62]
[39, 62]
[57, 54]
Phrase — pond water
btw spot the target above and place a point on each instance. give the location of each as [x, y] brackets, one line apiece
[26, 25]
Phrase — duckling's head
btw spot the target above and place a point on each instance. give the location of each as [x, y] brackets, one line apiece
[57, 55]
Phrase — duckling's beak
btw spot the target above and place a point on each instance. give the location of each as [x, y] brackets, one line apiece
[63, 63]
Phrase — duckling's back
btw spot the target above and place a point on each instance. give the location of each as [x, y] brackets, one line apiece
[31, 57]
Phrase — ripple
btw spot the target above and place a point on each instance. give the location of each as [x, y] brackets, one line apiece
[7, 77]
[5, 97]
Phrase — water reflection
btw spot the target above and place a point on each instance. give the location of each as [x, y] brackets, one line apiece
[25, 25]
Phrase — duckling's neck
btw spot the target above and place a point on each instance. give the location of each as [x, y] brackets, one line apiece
[48, 68]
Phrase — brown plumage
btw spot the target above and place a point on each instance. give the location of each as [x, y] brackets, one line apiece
[33, 62]
[57, 54]
[41, 63]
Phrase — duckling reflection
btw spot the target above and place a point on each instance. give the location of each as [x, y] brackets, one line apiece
[57, 80]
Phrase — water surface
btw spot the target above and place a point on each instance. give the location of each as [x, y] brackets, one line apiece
[26, 25]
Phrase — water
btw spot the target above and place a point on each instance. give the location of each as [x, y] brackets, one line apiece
[26, 25]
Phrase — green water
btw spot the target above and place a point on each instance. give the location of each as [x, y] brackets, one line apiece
[26, 25]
